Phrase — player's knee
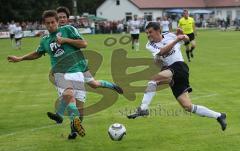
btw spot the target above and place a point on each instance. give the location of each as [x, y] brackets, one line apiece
[152, 86]
[94, 84]
[68, 94]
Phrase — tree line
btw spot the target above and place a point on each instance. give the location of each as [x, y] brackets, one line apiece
[31, 10]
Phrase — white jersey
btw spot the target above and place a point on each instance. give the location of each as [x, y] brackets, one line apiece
[18, 32]
[134, 26]
[11, 28]
[165, 25]
[173, 56]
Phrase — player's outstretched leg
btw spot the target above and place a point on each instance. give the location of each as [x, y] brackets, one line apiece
[147, 98]
[164, 77]
[59, 115]
[106, 84]
[185, 102]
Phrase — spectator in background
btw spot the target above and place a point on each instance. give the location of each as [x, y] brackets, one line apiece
[11, 29]
[18, 35]
[166, 26]
[134, 27]
[92, 27]
[120, 27]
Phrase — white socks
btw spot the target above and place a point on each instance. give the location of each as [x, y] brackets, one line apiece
[203, 111]
[148, 95]
[136, 46]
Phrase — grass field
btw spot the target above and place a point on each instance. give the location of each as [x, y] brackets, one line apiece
[26, 95]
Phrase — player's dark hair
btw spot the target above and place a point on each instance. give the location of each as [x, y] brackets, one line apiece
[63, 9]
[154, 25]
[49, 13]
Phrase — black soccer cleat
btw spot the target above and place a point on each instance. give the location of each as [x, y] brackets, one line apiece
[77, 126]
[191, 54]
[118, 89]
[222, 121]
[72, 136]
[138, 113]
[56, 117]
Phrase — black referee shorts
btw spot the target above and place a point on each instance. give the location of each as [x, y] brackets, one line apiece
[191, 38]
[135, 36]
[12, 36]
[180, 80]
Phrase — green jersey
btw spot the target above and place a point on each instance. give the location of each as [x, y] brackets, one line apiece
[64, 58]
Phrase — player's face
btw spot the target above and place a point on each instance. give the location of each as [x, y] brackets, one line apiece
[135, 18]
[63, 19]
[153, 35]
[51, 24]
[185, 14]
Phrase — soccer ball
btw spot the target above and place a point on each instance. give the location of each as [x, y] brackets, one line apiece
[116, 131]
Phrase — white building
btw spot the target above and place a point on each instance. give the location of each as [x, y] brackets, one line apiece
[151, 9]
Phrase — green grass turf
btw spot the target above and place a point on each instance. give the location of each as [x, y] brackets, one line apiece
[26, 95]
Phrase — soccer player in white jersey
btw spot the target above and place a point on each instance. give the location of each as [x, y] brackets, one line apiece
[165, 25]
[11, 28]
[174, 72]
[134, 26]
[18, 35]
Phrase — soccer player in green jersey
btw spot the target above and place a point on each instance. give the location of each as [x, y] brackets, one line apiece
[61, 44]
[63, 15]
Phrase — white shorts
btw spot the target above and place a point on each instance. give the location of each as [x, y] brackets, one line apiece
[75, 81]
[88, 76]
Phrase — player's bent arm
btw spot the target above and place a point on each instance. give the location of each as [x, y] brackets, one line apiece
[31, 56]
[78, 43]
[169, 47]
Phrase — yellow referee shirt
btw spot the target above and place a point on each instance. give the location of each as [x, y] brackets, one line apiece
[186, 25]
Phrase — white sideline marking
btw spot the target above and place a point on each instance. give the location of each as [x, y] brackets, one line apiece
[27, 130]
[204, 96]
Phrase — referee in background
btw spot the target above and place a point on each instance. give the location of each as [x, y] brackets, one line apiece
[187, 24]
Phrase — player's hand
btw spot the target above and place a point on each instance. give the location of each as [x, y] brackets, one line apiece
[61, 40]
[182, 37]
[179, 31]
[14, 59]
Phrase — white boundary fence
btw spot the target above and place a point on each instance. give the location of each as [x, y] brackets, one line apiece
[35, 33]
